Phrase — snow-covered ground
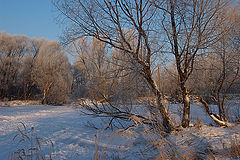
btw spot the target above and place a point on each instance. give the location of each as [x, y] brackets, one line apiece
[73, 134]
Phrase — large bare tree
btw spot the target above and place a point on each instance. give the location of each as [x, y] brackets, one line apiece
[129, 26]
[190, 27]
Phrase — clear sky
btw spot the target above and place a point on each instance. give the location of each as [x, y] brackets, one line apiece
[33, 18]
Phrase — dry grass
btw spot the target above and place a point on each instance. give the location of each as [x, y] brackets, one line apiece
[234, 151]
[28, 146]
[229, 152]
[166, 149]
[100, 148]
[198, 123]
[99, 153]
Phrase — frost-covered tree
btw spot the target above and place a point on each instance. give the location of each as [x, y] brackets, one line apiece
[52, 74]
[190, 27]
[119, 23]
[217, 73]
[12, 49]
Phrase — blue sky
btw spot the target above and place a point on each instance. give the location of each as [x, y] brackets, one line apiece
[34, 18]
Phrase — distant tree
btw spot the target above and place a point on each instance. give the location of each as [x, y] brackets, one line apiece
[27, 65]
[79, 86]
[26, 77]
[51, 73]
[12, 49]
[129, 83]
[29, 87]
[92, 66]
[168, 82]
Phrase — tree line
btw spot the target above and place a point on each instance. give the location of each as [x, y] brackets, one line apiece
[33, 69]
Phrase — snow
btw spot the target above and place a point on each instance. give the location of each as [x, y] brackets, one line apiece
[73, 134]
[65, 126]
[216, 139]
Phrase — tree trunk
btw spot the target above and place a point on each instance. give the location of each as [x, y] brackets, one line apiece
[186, 108]
[25, 90]
[167, 121]
[44, 97]
[45, 92]
[216, 118]
[182, 75]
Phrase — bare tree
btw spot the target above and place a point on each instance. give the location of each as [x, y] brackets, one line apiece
[52, 73]
[190, 27]
[12, 49]
[119, 23]
[28, 65]
[91, 60]
[221, 66]
[26, 72]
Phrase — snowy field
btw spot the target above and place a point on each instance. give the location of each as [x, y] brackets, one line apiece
[73, 134]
